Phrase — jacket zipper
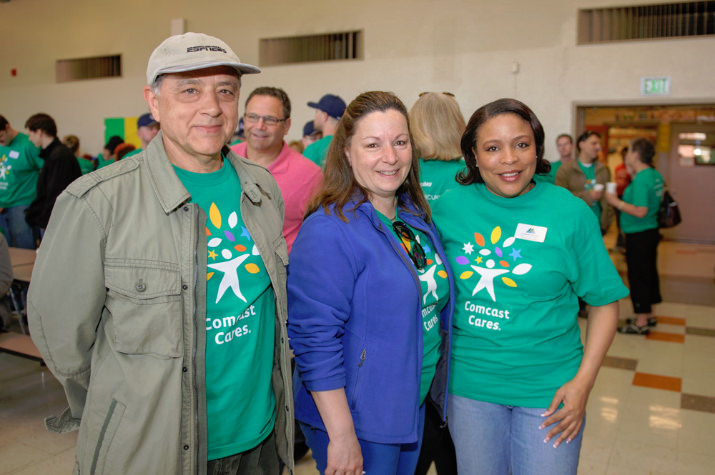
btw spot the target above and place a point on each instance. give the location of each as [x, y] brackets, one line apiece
[411, 267]
[444, 421]
[353, 399]
[362, 358]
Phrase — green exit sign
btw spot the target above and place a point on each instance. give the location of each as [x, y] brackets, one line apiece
[655, 86]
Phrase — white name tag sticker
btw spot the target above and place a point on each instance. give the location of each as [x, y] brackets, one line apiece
[14, 154]
[529, 232]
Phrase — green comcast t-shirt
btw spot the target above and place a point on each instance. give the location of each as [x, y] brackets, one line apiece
[101, 162]
[434, 285]
[20, 165]
[438, 176]
[519, 269]
[551, 176]
[646, 189]
[240, 309]
[318, 150]
[590, 173]
[136, 151]
[85, 165]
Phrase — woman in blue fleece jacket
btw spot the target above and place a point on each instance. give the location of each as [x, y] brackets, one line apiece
[369, 299]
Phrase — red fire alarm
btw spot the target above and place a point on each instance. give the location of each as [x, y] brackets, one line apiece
[13, 72]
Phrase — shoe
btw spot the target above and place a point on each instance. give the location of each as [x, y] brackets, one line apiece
[634, 329]
[652, 321]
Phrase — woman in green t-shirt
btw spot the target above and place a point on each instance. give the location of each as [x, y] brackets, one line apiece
[639, 221]
[437, 125]
[522, 254]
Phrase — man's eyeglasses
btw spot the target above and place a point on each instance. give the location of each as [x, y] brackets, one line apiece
[409, 242]
[267, 119]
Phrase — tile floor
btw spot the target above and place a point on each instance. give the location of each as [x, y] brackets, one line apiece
[652, 410]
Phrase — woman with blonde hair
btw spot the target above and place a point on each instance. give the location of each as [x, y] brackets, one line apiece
[72, 143]
[437, 126]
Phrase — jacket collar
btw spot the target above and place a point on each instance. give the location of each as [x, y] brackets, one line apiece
[169, 189]
[45, 152]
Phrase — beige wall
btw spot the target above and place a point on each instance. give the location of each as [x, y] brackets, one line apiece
[466, 47]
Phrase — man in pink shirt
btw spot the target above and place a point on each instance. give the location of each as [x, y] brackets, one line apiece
[266, 123]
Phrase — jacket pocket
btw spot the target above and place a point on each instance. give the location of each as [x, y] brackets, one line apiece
[145, 307]
[106, 435]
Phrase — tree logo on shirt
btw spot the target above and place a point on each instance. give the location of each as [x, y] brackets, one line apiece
[427, 274]
[4, 167]
[491, 262]
[234, 254]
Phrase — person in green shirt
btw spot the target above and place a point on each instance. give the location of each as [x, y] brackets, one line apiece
[86, 165]
[564, 145]
[310, 135]
[20, 166]
[586, 177]
[159, 297]
[520, 375]
[147, 129]
[328, 111]
[107, 156]
[370, 298]
[639, 221]
[437, 126]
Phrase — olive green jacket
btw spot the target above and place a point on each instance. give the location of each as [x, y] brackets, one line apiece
[117, 308]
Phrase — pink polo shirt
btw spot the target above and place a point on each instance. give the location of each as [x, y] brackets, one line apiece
[298, 179]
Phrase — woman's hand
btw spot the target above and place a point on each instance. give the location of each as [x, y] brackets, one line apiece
[344, 456]
[602, 323]
[569, 418]
[344, 453]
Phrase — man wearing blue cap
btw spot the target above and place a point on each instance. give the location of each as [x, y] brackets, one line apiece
[328, 111]
[147, 128]
[310, 135]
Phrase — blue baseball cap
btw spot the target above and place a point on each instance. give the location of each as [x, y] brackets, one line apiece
[145, 120]
[331, 105]
[308, 128]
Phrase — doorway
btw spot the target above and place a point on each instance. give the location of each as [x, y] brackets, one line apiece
[690, 171]
[685, 138]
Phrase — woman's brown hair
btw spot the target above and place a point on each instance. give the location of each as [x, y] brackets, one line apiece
[339, 183]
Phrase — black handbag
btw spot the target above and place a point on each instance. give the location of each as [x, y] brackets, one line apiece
[668, 213]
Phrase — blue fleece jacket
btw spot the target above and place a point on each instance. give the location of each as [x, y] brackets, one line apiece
[354, 320]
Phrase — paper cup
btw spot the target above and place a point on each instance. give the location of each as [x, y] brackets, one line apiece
[611, 187]
[598, 187]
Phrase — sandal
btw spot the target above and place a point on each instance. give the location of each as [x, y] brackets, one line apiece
[652, 321]
[633, 329]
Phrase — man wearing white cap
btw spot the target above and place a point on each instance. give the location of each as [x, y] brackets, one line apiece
[158, 296]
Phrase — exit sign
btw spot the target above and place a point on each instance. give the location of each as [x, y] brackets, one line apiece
[655, 86]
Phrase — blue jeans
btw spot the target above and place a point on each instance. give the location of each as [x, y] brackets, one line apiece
[377, 459]
[15, 228]
[495, 439]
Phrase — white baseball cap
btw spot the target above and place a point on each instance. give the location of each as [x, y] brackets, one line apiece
[192, 51]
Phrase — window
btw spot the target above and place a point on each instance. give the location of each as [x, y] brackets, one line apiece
[303, 49]
[665, 20]
[67, 70]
